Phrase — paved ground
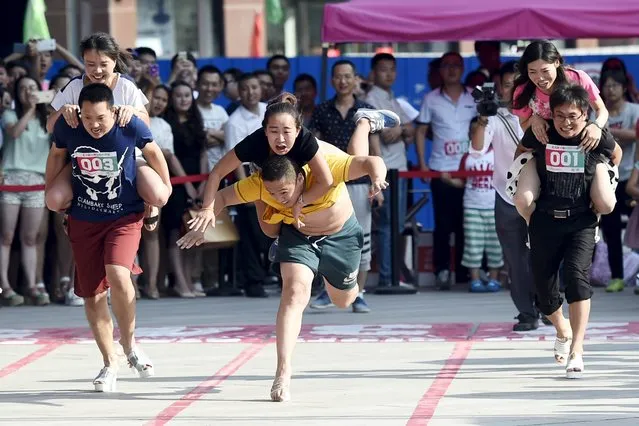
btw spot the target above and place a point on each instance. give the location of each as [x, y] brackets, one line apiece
[432, 358]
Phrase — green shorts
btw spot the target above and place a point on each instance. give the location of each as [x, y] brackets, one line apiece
[336, 257]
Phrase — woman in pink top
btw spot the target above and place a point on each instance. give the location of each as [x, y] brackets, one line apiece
[542, 69]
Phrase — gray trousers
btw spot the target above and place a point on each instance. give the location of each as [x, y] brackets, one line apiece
[512, 233]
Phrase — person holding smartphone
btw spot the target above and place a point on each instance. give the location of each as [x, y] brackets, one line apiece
[23, 163]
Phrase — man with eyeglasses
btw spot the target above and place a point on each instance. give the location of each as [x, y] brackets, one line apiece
[562, 227]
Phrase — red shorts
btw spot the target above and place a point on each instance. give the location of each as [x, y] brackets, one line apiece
[96, 244]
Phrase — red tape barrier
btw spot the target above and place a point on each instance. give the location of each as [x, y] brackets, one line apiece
[199, 178]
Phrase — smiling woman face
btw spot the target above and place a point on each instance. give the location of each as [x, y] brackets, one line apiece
[543, 74]
[98, 66]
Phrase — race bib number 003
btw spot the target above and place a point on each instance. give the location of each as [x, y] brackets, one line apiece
[565, 159]
[98, 163]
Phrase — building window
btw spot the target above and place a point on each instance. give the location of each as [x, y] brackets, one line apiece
[168, 26]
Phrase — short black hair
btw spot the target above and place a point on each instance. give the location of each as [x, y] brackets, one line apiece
[434, 64]
[275, 58]
[95, 93]
[68, 67]
[509, 67]
[305, 77]
[235, 72]
[17, 64]
[246, 76]
[570, 94]
[263, 72]
[189, 57]
[382, 57]
[57, 77]
[209, 69]
[145, 51]
[277, 167]
[495, 44]
[343, 62]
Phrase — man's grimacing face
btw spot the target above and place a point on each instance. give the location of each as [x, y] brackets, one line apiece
[286, 191]
[97, 118]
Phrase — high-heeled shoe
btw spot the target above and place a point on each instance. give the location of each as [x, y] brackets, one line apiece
[575, 366]
[280, 391]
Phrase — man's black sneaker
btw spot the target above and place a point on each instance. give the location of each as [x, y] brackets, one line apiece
[526, 323]
[545, 319]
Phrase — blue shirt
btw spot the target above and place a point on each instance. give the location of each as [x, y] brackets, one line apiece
[104, 173]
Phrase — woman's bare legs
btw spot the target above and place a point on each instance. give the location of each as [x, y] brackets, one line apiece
[154, 193]
[31, 218]
[151, 244]
[65, 255]
[59, 193]
[9, 214]
[176, 261]
[358, 145]
[601, 193]
[527, 192]
[41, 240]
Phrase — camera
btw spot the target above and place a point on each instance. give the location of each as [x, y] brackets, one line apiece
[485, 98]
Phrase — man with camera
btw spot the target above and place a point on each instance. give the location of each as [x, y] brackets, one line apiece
[497, 126]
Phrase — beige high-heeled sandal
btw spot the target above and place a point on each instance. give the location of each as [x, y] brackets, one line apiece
[575, 366]
[562, 349]
[280, 391]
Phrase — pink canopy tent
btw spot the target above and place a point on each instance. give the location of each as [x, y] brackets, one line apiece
[450, 20]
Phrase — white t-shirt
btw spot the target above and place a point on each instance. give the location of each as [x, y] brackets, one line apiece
[162, 134]
[408, 109]
[450, 123]
[125, 92]
[214, 118]
[479, 192]
[394, 154]
[627, 119]
[241, 124]
[497, 136]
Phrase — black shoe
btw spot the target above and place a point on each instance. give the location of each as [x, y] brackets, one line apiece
[225, 292]
[271, 280]
[526, 323]
[545, 319]
[255, 291]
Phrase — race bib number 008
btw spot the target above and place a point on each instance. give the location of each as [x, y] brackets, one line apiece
[565, 159]
[101, 163]
[455, 147]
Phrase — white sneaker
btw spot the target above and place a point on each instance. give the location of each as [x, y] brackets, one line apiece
[72, 299]
[106, 380]
[379, 119]
[140, 363]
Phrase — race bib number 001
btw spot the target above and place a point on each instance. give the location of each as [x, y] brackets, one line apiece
[98, 163]
[565, 159]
